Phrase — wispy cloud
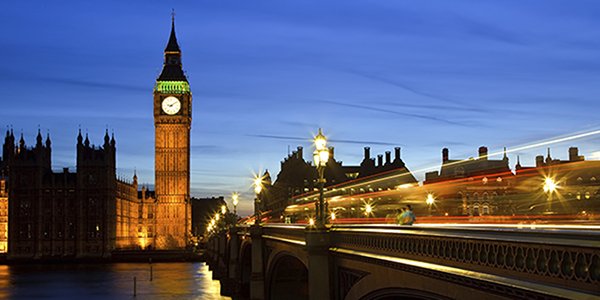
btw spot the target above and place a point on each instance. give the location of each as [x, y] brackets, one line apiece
[388, 111]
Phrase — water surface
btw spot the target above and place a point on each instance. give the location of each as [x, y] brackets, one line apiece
[108, 281]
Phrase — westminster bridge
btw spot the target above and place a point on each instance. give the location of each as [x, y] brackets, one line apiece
[368, 261]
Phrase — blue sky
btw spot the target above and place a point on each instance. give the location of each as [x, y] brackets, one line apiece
[422, 75]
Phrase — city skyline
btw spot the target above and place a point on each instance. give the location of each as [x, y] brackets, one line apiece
[257, 91]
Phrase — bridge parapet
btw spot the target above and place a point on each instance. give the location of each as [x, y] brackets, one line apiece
[531, 260]
[505, 262]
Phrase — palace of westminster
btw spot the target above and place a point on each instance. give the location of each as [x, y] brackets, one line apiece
[90, 213]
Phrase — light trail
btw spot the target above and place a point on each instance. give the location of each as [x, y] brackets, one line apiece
[515, 149]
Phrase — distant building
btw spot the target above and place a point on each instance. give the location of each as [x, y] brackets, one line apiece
[62, 215]
[3, 214]
[203, 210]
[297, 180]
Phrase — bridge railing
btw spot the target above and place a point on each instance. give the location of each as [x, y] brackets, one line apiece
[554, 261]
[568, 258]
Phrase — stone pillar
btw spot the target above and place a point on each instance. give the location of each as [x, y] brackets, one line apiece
[220, 271]
[257, 279]
[231, 284]
[319, 265]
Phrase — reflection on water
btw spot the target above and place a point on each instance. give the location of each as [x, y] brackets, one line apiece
[108, 281]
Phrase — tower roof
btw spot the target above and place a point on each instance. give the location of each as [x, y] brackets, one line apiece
[172, 69]
[172, 45]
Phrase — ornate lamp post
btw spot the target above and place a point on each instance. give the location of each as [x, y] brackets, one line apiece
[257, 189]
[235, 197]
[321, 157]
[549, 188]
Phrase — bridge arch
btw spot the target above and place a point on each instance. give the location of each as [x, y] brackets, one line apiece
[402, 293]
[287, 277]
[245, 269]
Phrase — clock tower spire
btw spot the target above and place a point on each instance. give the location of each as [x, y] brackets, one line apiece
[172, 124]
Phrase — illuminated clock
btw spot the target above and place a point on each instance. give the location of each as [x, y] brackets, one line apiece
[171, 105]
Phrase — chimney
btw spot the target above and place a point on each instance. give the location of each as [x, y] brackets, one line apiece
[299, 152]
[483, 152]
[367, 153]
[380, 160]
[397, 153]
[574, 154]
[445, 155]
[539, 161]
[331, 153]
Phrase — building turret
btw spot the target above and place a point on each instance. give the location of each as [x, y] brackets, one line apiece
[106, 140]
[388, 157]
[48, 142]
[379, 160]
[79, 138]
[112, 141]
[38, 139]
[21, 143]
[548, 158]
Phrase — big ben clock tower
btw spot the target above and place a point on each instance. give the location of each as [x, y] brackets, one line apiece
[172, 123]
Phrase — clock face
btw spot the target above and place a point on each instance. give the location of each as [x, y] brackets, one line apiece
[171, 105]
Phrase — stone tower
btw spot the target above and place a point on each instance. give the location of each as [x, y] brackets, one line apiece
[172, 123]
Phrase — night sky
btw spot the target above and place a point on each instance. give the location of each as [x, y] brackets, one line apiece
[265, 75]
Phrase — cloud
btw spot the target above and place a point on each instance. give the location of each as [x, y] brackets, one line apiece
[405, 87]
[410, 115]
[73, 81]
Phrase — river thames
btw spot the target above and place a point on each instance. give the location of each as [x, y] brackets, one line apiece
[108, 281]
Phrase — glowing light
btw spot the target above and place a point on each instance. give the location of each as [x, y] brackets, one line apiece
[257, 184]
[324, 155]
[332, 215]
[405, 186]
[368, 209]
[320, 141]
[217, 216]
[430, 199]
[223, 209]
[172, 87]
[550, 185]
[311, 221]
[235, 199]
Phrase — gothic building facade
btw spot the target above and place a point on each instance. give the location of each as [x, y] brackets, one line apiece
[62, 215]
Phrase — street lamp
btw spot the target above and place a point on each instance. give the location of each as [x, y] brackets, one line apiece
[234, 197]
[320, 158]
[257, 189]
[368, 209]
[429, 200]
[223, 209]
[549, 187]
